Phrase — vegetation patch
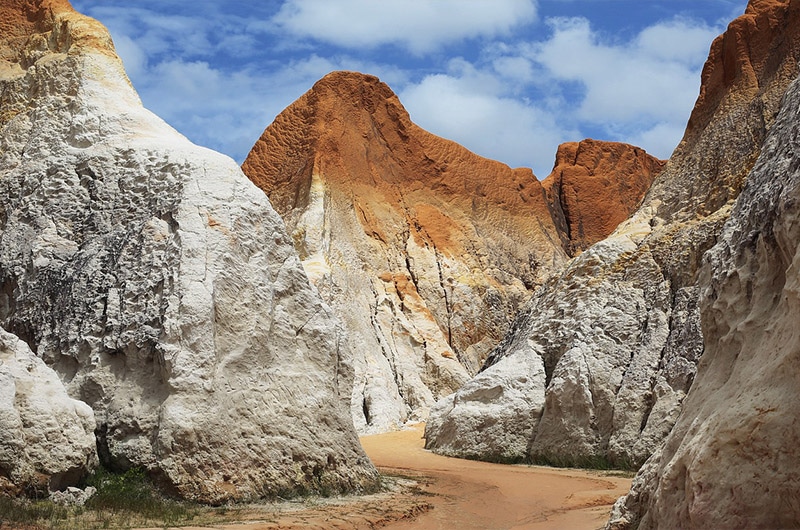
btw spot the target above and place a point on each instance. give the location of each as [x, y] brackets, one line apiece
[122, 501]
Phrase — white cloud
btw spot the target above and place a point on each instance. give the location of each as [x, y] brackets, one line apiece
[647, 84]
[660, 139]
[519, 101]
[420, 25]
[489, 124]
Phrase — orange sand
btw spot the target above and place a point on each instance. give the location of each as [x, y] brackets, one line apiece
[478, 495]
[450, 494]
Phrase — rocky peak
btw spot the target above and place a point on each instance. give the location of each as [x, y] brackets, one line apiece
[594, 186]
[748, 69]
[433, 243]
[422, 234]
[358, 120]
[30, 29]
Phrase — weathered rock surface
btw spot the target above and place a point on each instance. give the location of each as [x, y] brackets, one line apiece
[594, 186]
[46, 438]
[411, 238]
[618, 331]
[158, 282]
[731, 459]
[425, 249]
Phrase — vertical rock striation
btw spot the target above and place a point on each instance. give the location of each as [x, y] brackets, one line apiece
[617, 334]
[158, 281]
[425, 249]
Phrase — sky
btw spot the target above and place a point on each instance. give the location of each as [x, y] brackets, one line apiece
[508, 79]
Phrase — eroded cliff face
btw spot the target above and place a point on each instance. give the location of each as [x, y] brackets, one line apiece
[594, 186]
[617, 334]
[415, 241]
[158, 282]
[731, 460]
[425, 249]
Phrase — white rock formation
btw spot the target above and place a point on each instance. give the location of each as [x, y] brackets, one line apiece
[618, 331]
[731, 459]
[46, 438]
[159, 283]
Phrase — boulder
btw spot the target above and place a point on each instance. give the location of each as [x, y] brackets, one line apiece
[47, 439]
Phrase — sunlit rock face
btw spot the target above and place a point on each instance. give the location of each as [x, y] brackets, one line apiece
[731, 459]
[594, 186]
[46, 438]
[415, 241]
[618, 331]
[158, 282]
[425, 249]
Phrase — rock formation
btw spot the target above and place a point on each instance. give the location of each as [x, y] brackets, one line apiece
[595, 186]
[731, 459]
[158, 282]
[46, 438]
[425, 249]
[617, 334]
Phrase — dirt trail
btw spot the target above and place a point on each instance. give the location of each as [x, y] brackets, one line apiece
[478, 495]
[449, 493]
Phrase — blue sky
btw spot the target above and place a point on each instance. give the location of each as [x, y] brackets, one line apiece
[509, 79]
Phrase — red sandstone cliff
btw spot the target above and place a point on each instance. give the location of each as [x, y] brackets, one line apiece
[594, 186]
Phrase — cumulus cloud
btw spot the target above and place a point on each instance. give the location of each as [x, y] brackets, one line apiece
[519, 100]
[469, 107]
[418, 25]
[653, 77]
[222, 72]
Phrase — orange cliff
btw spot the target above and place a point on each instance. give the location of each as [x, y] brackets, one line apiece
[594, 186]
[410, 235]
[748, 69]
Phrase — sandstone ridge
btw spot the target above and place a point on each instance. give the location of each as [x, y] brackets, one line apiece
[425, 249]
[158, 283]
[594, 186]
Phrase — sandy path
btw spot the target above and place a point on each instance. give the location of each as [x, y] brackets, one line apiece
[448, 493]
[478, 495]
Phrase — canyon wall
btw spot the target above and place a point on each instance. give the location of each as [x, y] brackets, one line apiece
[730, 460]
[597, 364]
[424, 249]
[158, 282]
